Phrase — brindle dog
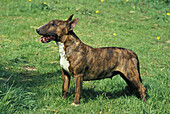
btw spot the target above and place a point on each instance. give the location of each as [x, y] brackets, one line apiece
[86, 63]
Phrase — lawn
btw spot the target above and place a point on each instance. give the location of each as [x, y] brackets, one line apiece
[30, 74]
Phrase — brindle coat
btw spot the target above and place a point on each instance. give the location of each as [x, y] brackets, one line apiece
[86, 63]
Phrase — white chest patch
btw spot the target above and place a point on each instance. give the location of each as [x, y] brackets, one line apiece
[63, 59]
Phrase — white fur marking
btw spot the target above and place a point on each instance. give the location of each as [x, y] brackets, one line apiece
[63, 59]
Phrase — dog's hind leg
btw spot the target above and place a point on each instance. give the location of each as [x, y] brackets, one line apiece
[66, 82]
[134, 83]
[132, 77]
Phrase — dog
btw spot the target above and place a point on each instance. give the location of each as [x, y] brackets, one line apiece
[85, 63]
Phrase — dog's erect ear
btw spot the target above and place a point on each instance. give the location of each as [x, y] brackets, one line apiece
[70, 18]
[73, 23]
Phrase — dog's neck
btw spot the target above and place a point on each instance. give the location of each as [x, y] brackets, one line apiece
[66, 45]
[71, 39]
[70, 34]
[73, 34]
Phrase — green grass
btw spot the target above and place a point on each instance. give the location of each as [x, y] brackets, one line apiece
[30, 74]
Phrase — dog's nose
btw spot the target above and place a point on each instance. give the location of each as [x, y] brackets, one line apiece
[38, 30]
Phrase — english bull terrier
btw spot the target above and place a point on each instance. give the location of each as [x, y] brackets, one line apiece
[86, 63]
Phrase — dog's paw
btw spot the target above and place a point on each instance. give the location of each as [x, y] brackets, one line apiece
[73, 104]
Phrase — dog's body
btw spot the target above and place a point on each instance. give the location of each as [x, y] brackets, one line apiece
[86, 63]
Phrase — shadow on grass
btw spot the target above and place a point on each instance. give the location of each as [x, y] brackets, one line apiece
[18, 89]
[91, 93]
[25, 78]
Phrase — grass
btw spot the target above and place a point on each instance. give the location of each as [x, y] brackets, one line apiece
[30, 74]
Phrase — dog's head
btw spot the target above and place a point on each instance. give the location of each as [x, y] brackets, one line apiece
[55, 29]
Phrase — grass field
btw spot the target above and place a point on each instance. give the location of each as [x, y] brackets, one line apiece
[30, 74]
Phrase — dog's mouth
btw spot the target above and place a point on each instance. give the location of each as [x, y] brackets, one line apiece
[46, 39]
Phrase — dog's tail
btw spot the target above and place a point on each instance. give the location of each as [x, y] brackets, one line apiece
[138, 67]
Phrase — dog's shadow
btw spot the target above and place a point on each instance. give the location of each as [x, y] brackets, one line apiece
[92, 94]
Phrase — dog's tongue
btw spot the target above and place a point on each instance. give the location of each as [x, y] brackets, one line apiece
[46, 39]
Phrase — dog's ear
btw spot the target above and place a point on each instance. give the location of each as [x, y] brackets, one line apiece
[70, 18]
[73, 23]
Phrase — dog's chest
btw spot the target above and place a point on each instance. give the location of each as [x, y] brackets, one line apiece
[64, 63]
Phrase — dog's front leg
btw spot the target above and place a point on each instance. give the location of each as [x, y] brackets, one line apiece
[78, 87]
[66, 83]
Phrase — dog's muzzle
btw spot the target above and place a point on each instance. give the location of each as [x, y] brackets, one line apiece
[46, 38]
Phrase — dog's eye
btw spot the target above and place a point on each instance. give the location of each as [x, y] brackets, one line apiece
[53, 24]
